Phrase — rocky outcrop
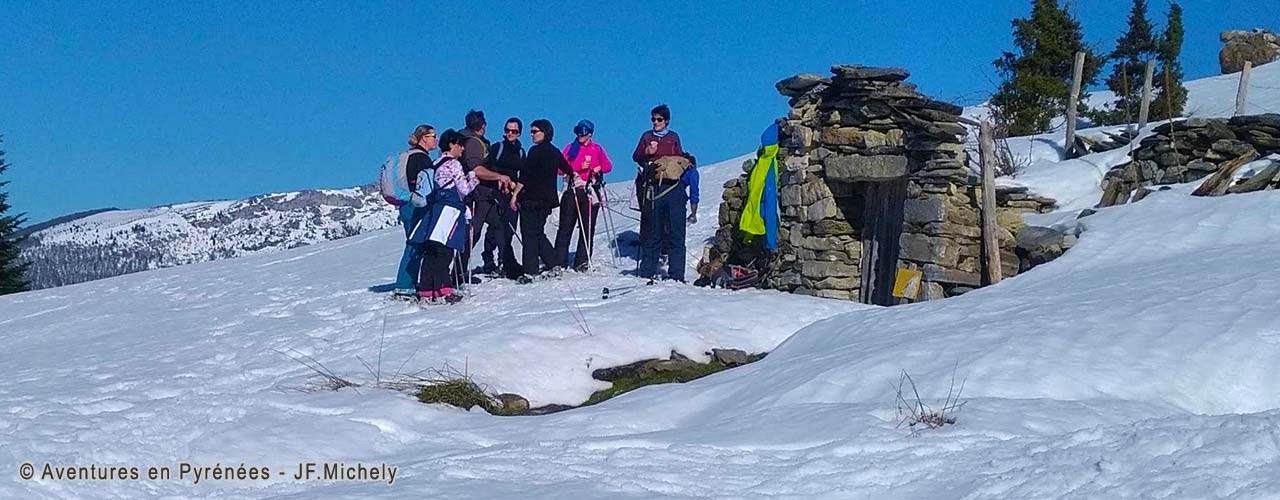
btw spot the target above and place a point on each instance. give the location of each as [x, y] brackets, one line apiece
[1190, 151]
[1257, 46]
[850, 131]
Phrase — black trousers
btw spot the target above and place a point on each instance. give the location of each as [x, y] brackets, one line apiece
[576, 216]
[533, 237]
[495, 212]
[433, 274]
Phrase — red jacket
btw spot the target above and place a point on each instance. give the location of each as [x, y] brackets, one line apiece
[668, 145]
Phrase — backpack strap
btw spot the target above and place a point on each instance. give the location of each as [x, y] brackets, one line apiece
[484, 148]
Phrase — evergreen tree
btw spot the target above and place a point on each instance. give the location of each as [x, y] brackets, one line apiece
[1133, 50]
[1169, 100]
[12, 269]
[1036, 80]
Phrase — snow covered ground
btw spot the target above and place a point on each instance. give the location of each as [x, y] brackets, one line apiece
[1141, 364]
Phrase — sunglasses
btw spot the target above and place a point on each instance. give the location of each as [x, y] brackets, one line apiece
[658, 119]
[429, 136]
[533, 131]
[512, 131]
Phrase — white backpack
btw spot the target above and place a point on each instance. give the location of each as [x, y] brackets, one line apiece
[393, 179]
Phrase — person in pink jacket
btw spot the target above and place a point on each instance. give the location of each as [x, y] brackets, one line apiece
[580, 204]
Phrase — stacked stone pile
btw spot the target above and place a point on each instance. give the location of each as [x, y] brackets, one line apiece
[863, 126]
[1258, 47]
[1190, 150]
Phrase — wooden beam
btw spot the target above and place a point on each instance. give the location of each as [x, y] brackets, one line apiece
[990, 245]
[1218, 183]
[1242, 93]
[1073, 104]
[1145, 111]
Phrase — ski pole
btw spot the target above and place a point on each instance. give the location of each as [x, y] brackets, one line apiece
[605, 201]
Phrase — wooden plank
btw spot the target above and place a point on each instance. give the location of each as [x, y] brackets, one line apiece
[1145, 111]
[1218, 183]
[1259, 181]
[1073, 105]
[881, 233]
[990, 245]
[1242, 92]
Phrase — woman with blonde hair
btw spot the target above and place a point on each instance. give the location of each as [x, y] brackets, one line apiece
[421, 141]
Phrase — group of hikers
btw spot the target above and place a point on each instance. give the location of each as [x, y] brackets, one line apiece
[447, 202]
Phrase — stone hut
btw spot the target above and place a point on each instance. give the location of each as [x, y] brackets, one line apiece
[873, 178]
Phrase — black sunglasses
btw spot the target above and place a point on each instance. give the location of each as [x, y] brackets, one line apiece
[512, 131]
[534, 131]
[658, 119]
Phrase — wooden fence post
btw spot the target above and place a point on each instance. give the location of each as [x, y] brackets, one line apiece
[1073, 104]
[1145, 111]
[1242, 93]
[990, 245]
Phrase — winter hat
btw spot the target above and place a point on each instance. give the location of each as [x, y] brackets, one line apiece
[583, 127]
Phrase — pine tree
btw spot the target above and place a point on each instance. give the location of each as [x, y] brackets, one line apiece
[1133, 49]
[1037, 79]
[12, 269]
[1169, 100]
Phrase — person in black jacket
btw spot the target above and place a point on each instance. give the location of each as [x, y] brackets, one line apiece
[505, 158]
[535, 196]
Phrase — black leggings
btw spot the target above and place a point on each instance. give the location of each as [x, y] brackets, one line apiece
[434, 276]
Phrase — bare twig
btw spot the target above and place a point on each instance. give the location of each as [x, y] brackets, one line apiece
[917, 415]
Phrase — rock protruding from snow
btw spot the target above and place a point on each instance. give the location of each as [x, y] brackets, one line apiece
[1258, 47]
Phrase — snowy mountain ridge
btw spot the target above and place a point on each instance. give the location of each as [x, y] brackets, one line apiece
[118, 242]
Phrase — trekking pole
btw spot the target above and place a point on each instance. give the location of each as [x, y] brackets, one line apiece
[582, 229]
[618, 291]
[605, 201]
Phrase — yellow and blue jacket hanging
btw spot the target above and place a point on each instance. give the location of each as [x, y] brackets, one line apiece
[760, 215]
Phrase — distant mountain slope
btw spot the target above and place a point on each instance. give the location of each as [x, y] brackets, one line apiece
[110, 243]
[34, 228]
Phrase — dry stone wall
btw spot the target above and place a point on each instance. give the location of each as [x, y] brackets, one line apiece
[866, 125]
[1189, 151]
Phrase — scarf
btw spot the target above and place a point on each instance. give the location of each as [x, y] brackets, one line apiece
[574, 149]
[661, 134]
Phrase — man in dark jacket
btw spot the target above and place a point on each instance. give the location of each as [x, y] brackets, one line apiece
[506, 158]
[484, 197]
[536, 196]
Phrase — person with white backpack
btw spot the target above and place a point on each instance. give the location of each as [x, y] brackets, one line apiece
[397, 184]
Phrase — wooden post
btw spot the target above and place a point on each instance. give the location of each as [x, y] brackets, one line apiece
[1242, 93]
[1145, 111]
[1073, 104]
[990, 245]
[1128, 97]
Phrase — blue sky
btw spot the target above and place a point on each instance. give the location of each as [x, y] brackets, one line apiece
[141, 104]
